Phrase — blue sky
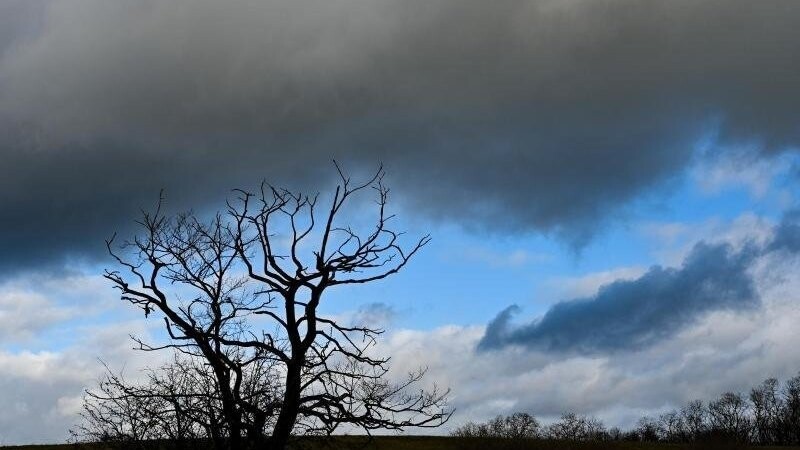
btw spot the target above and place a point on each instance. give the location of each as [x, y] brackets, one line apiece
[589, 162]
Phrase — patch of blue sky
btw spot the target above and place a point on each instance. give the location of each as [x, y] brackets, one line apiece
[459, 278]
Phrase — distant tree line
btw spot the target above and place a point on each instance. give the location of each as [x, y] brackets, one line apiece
[769, 415]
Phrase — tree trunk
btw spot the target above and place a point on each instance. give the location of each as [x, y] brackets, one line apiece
[289, 409]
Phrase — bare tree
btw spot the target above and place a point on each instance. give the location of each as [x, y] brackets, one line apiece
[672, 427]
[521, 425]
[243, 290]
[178, 401]
[791, 415]
[768, 408]
[695, 418]
[648, 429]
[729, 416]
[574, 427]
[111, 415]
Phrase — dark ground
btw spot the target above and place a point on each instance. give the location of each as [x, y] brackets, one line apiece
[450, 443]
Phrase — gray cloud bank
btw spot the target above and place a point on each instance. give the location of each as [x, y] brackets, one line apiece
[549, 114]
[634, 314]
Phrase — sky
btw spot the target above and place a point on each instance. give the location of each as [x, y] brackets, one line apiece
[611, 186]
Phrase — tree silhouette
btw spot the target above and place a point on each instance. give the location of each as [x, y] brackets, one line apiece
[768, 410]
[243, 290]
[728, 416]
[178, 401]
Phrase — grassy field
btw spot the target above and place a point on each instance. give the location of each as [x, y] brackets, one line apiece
[448, 443]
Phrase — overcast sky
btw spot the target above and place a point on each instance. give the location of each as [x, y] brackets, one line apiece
[611, 186]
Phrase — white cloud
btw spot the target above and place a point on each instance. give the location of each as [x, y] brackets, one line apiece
[45, 388]
[33, 383]
[33, 304]
[24, 314]
[740, 168]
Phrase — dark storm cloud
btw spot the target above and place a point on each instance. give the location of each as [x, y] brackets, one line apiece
[632, 314]
[546, 114]
[787, 233]
[19, 20]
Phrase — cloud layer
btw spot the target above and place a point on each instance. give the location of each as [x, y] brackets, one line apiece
[548, 114]
[631, 314]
